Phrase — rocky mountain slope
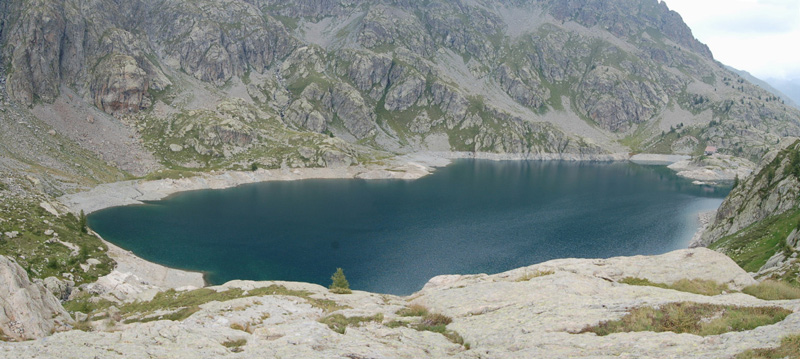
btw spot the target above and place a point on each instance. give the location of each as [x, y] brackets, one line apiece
[758, 222]
[765, 85]
[227, 83]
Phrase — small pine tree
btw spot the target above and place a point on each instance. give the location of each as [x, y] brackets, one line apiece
[340, 284]
[736, 181]
[254, 166]
[82, 223]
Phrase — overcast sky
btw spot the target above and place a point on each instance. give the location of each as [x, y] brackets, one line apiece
[758, 36]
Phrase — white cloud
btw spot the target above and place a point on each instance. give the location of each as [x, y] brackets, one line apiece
[760, 36]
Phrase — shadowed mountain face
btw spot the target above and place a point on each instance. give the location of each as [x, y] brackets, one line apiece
[224, 83]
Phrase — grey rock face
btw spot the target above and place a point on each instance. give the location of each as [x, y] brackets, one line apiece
[616, 16]
[215, 40]
[391, 75]
[525, 88]
[405, 93]
[349, 106]
[121, 86]
[616, 102]
[29, 310]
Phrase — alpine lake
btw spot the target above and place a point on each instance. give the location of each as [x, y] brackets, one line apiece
[392, 236]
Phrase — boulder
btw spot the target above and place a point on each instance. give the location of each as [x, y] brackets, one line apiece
[60, 288]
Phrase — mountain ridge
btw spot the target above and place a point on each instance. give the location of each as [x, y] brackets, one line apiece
[223, 84]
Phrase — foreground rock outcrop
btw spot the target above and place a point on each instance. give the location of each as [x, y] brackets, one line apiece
[29, 310]
[508, 315]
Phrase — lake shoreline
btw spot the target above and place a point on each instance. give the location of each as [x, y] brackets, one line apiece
[407, 167]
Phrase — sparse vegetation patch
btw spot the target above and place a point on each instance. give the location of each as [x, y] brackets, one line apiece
[696, 286]
[175, 305]
[751, 247]
[432, 322]
[773, 290]
[789, 348]
[235, 345]
[339, 322]
[535, 274]
[414, 310]
[693, 318]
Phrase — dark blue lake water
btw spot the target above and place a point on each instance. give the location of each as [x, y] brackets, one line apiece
[391, 236]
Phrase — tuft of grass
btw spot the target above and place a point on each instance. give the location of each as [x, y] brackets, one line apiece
[247, 328]
[85, 326]
[339, 323]
[437, 323]
[696, 286]
[235, 345]
[773, 290]
[789, 348]
[414, 310]
[431, 322]
[397, 324]
[535, 274]
[692, 318]
[435, 319]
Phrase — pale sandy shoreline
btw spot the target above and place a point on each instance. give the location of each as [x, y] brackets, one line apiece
[410, 166]
[149, 275]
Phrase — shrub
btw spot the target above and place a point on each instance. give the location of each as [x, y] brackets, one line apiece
[82, 223]
[340, 284]
[773, 290]
[253, 166]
